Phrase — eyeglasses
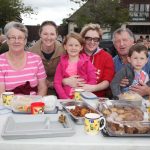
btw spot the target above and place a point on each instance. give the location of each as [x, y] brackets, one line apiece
[90, 39]
[13, 38]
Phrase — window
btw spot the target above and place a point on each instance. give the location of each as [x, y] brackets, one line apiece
[139, 12]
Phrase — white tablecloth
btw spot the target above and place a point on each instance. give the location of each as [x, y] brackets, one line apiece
[79, 141]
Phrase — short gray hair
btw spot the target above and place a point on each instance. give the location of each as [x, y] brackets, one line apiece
[16, 25]
[120, 30]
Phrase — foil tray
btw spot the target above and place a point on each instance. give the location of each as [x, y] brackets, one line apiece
[72, 104]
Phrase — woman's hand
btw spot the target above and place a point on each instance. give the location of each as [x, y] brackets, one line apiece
[73, 81]
[88, 87]
[124, 82]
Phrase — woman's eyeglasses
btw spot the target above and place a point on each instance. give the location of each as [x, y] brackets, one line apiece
[90, 39]
[13, 38]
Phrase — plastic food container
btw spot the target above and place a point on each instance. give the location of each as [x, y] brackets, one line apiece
[131, 98]
[124, 119]
[22, 103]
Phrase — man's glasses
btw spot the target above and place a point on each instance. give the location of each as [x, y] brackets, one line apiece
[90, 39]
[13, 38]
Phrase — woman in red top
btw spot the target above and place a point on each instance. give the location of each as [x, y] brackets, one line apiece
[102, 61]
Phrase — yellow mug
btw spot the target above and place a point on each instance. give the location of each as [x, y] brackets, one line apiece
[7, 98]
[93, 123]
[77, 94]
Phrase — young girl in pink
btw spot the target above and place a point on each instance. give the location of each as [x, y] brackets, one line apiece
[73, 63]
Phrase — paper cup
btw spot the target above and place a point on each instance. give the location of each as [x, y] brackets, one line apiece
[7, 98]
[37, 108]
[93, 123]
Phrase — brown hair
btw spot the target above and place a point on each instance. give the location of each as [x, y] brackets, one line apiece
[50, 23]
[75, 35]
[91, 26]
[139, 47]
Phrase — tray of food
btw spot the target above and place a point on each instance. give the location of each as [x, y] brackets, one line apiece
[21, 104]
[131, 98]
[77, 110]
[124, 119]
[37, 126]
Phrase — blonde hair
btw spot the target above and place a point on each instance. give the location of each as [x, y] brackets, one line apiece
[74, 35]
[91, 26]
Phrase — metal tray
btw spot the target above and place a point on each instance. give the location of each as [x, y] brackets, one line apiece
[71, 105]
[36, 126]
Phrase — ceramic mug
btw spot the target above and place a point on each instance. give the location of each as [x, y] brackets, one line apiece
[77, 94]
[37, 108]
[93, 123]
[7, 98]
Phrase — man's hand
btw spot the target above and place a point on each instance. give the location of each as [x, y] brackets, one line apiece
[124, 82]
[141, 89]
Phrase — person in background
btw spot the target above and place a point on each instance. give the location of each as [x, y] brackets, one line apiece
[3, 44]
[50, 50]
[123, 39]
[21, 72]
[137, 58]
[73, 63]
[146, 42]
[101, 60]
[140, 39]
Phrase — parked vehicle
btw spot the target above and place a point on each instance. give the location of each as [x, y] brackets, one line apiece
[107, 44]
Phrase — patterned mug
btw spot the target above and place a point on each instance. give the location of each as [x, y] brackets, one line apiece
[93, 123]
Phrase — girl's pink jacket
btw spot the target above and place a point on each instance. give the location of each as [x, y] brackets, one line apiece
[85, 70]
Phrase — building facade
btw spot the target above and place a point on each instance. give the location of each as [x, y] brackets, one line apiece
[139, 11]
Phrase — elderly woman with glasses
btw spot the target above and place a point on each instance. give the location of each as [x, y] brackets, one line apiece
[102, 61]
[21, 72]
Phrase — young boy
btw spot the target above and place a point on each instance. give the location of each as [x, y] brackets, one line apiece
[137, 58]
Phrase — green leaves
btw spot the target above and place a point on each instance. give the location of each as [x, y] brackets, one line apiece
[12, 9]
[108, 13]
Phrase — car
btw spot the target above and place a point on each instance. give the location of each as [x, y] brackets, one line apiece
[107, 44]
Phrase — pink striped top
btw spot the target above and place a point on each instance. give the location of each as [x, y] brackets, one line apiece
[33, 71]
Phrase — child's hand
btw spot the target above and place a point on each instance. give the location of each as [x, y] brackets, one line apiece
[124, 82]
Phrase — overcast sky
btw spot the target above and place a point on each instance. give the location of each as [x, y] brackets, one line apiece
[55, 10]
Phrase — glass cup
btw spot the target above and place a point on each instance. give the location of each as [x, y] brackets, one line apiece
[37, 108]
[7, 98]
[93, 123]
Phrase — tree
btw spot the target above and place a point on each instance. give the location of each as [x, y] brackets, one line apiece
[12, 9]
[108, 13]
